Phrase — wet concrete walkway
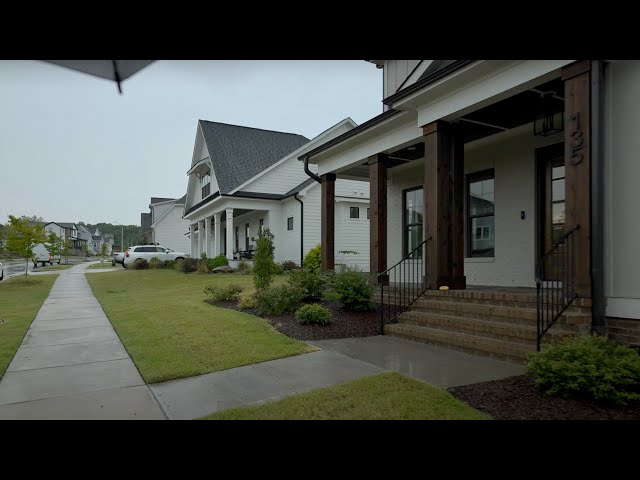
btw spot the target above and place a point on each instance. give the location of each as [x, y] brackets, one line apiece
[439, 366]
[72, 365]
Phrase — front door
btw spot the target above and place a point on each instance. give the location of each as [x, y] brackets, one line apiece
[551, 189]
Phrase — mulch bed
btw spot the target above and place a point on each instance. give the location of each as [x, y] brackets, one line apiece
[517, 398]
[345, 324]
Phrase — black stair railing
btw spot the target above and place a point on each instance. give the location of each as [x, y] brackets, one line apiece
[555, 282]
[403, 284]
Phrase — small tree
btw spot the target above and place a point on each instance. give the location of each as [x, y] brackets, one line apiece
[66, 250]
[263, 265]
[22, 237]
[54, 244]
[103, 251]
[85, 249]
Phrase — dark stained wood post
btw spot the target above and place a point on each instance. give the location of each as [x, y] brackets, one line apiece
[378, 165]
[577, 162]
[443, 205]
[327, 219]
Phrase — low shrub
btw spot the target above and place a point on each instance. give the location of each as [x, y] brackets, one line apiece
[140, 264]
[247, 303]
[278, 300]
[169, 264]
[288, 265]
[313, 283]
[187, 265]
[313, 313]
[591, 366]
[353, 291]
[223, 293]
[278, 269]
[219, 261]
[155, 262]
[244, 267]
[202, 266]
[313, 259]
[263, 265]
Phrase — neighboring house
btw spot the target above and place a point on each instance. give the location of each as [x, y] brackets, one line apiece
[98, 239]
[167, 227]
[244, 179]
[85, 235]
[501, 160]
[68, 232]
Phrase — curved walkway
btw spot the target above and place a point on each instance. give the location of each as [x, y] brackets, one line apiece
[71, 363]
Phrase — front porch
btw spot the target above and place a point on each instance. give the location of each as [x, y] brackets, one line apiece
[496, 192]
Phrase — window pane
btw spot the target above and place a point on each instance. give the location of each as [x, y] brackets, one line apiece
[413, 238]
[354, 212]
[557, 190]
[414, 207]
[482, 240]
[481, 197]
[557, 172]
[558, 213]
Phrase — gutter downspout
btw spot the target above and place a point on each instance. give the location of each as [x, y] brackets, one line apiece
[295, 195]
[598, 310]
[309, 172]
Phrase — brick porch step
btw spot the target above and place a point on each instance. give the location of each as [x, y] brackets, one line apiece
[512, 332]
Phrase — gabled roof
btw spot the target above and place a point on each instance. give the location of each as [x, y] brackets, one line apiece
[239, 153]
[66, 224]
[159, 199]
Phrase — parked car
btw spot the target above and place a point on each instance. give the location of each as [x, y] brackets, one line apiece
[1, 272]
[118, 257]
[42, 255]
[147, 252]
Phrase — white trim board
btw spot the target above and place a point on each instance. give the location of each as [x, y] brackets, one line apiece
[623, 307]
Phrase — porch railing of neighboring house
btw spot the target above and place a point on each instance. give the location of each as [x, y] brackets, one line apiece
[405, 283]
[555, 283]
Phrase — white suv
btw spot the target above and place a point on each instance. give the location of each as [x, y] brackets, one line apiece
[147, 252]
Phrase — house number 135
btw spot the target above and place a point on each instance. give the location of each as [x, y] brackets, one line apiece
[577, 141]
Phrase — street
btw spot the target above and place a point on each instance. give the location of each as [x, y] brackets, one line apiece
[16, 267]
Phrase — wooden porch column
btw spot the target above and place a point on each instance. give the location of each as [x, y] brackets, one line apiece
[327, 219]
[577, 162]
[378, 165]
[443, 205]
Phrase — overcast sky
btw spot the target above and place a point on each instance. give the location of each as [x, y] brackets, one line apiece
[72, 149]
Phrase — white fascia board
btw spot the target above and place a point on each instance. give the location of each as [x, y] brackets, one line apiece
[351, 200]
[304, 148]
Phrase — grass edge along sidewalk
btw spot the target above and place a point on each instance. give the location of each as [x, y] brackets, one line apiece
[170, 332]
[20, 301]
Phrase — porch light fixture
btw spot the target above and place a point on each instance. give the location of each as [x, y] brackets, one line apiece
[549, 117]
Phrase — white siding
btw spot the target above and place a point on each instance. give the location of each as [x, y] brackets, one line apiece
[290, 239]
[157, 210]
[622, 177]
[53, 228]
[281, 179]
[396, 72]
[352, 234]
[170, 231]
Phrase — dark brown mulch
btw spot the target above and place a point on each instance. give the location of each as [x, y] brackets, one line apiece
[517, 398]
[345, 324]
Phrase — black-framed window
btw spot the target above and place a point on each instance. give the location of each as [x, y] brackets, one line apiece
[413, 217]
[246, 237]
[206, 185]
[368, 214]
[261, 225]
[237, 239]
[290, 223]
[481, 214]
[354, 212]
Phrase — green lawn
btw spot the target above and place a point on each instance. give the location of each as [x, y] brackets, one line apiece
[170, 332]
[105, 265]
[386, 396]
[49, 268]
[20, 301]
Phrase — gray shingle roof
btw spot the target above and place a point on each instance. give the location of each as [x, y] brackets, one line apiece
[159, 199]
[66, 224]
[239, 153]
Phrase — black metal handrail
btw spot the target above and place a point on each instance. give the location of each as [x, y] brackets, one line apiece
[555, 283]
[406, 282]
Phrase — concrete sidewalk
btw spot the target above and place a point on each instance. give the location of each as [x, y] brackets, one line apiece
[72, 365]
